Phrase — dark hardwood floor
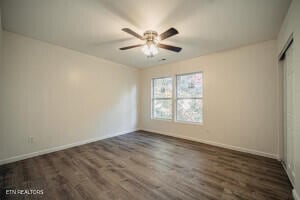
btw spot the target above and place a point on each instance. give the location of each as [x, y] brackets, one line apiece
[144, 165]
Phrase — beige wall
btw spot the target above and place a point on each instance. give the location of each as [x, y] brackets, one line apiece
[290, 26]
[240, 99]
[0, 38]
[60, 97]
[49, 92]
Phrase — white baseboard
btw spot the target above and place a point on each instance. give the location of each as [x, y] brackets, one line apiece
[241, 149]
[58, 148]
[288, 174]
[295, 195]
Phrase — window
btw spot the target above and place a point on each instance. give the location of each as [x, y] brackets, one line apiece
[162, 98]
[189, 98]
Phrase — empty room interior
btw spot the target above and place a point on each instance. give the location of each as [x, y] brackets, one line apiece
[154, 100]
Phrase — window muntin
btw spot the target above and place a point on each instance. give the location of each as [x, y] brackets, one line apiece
[162, 98]
[189, 93]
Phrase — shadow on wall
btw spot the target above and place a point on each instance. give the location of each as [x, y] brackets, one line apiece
[119, 114]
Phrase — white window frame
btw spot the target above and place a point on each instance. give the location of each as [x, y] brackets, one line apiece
[171, 98]
[180, 98]
[174, 99]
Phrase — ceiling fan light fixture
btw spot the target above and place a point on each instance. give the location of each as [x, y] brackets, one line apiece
[150, 50]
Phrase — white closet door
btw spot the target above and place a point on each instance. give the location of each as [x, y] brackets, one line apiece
[289, 113]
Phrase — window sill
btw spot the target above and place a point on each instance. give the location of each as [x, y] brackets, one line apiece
[189, 123]
[179, 122]
[165, 120]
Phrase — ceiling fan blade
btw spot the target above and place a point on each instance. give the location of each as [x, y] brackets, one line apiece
[130, 47]
[171, 48]
[168, 33]
[131, 32]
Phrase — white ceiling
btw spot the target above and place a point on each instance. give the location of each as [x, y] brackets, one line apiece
[94, 26]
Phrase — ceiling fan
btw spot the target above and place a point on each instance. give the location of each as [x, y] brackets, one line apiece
[152, 41]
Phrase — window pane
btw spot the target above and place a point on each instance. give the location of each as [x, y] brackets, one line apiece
[162, 109]
[189, 110]
[189, 85]
[162, 88]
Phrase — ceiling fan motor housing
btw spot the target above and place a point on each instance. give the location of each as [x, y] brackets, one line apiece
[151, 36]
